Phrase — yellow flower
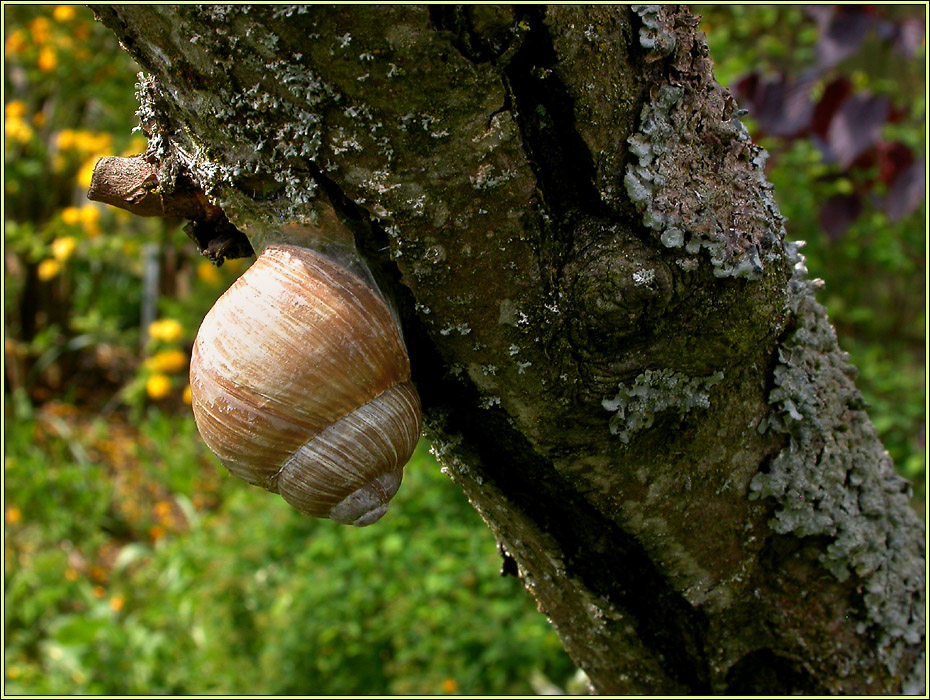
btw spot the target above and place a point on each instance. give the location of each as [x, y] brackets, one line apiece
[13, 515]
[165, 329]
[95, 143]
[117, 602]
[63, 13]
[41, 30]
[66, 139]
[48, 59]
[71, 574]
[89, 214]
[90, 219]
[158, 386]
[449, 685]
[48, 268]
[15, 43]
[208, 273]
[169, 361]
[38, 119]
[87, 171]
[186, 396]
[17, 130]
[71, 216]
[99, 591]
[85, 141]
[14, 109]
[62, 248]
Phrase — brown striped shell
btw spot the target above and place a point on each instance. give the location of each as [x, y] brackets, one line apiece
[300, 384]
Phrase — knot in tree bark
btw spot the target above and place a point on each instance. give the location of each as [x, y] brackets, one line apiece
[614, 284]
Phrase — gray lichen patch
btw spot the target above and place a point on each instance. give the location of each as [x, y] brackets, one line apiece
[654, 391]
[834, 479]
[654, 35]
[697, 179]
[269, 128]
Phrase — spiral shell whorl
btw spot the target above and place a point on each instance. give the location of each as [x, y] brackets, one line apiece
[300, 384]
[376, 439]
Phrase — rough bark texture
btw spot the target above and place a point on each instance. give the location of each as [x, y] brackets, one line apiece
[621, 362]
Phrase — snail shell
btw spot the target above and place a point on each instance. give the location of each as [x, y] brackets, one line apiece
[300, 384]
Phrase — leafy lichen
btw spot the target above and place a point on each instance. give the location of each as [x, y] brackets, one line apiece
[653, 391]
[653, 35]
[698, 179]
[835, 480]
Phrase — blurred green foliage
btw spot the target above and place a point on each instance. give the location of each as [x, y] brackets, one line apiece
[134, 564]
[133, 567]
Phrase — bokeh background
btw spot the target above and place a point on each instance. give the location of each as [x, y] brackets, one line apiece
[134, 564]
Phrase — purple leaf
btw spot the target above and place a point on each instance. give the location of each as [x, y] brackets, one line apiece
[909, 36]
[906, 191]
[856, 128]
[834, 94]
[838, 213]
[781, 105]
[842, 35]
[892, 159]
[821, 14]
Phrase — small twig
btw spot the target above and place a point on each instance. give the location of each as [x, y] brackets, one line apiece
[133, 184]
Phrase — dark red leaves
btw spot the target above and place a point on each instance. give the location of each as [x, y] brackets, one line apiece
[833, 97]
[893, 158]
[780, 105]
[845, 125]
[855, 129]
[842, 32]
[906, 191]
[838, 213]
[908, 36]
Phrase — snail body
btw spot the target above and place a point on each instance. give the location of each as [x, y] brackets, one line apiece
[300, 384]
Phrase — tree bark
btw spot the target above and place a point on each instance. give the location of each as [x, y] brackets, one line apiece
[621, 361]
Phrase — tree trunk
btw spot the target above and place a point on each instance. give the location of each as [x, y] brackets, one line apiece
[621, 361]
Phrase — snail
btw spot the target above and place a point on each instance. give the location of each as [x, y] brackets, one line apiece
[300, 379]
[300, 384]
